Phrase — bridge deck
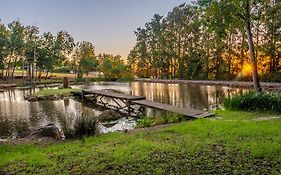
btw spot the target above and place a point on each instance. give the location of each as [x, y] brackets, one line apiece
[179, 110]
[128, 100]
[113, 95]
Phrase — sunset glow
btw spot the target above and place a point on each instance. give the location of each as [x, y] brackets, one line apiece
[246, 69]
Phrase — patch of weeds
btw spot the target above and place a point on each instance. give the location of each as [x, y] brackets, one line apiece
[167, 118]
[171, 118]
[145, 121]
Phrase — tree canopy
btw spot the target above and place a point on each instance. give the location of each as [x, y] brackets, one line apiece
[211, 39]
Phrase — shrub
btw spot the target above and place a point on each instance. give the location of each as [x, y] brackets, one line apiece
[272, 77]
[255, 101]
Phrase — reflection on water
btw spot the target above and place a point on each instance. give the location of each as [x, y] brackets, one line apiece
[17, 114]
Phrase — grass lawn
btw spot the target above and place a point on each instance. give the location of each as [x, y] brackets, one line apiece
[203, 146]
[48, 92]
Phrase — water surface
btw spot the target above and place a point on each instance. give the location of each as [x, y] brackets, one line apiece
[17, 114]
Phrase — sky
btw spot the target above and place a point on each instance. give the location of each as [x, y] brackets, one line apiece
[108, 24]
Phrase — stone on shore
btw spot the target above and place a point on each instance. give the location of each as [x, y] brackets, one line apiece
[48, 131]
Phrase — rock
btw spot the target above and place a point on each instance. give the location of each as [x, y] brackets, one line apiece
[109, 115]
[49, 130]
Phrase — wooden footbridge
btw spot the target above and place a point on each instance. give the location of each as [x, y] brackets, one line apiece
[134, 105]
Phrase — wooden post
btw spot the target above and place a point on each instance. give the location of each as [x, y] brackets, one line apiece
[129, 107]
[65, 82]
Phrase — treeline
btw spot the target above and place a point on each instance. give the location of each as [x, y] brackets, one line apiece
[23, 50]
[216, 39]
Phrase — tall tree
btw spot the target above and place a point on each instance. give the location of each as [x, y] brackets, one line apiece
[30, 51]
[16, 46]
[236, 12]
[84, 59]
[4, 50]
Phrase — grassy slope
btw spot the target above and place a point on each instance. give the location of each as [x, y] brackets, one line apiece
[199, 147]
[47, 92]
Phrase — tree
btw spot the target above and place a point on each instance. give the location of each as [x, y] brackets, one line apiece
[84, 59]
[30, 51]
[4, 50]
[53, 50]
[112, 67]
[237, 13]
[16, 46]
[271, 46]
[46, 56]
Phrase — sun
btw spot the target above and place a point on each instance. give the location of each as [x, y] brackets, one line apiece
[247, 69]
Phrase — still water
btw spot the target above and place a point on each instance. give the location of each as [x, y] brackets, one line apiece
[17, 114]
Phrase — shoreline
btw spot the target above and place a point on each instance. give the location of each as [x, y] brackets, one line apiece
[238, 84]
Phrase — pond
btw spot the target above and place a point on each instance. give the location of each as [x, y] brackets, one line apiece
[17, 114]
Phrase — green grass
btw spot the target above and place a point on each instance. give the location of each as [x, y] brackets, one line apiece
[201, 146]
[242, 115]
[48, 92]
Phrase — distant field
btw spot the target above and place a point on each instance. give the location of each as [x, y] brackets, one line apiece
[55, 75]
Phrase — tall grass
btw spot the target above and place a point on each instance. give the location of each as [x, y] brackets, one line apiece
[84, 125]
[255, 101]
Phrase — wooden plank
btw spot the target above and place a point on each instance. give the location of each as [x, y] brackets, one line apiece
[180, 110]
[113, 95]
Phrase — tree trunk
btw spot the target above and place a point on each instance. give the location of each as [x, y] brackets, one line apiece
[40, 74]
[252, 57]
[13, 70]
[47, 72]
[2, 73]
[242, 51]
[22, 69]
[33, 67]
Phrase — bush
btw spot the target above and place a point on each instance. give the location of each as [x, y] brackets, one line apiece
[255, 101]
[272, 77]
